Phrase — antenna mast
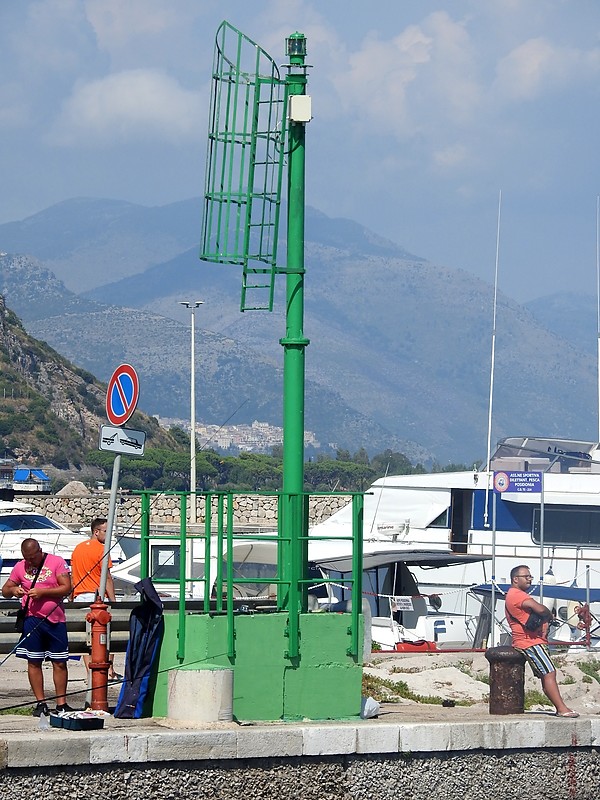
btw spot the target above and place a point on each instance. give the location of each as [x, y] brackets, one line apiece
[493, 362]
[598, 299]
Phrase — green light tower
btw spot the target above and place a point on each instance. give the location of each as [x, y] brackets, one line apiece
[258, 121]
[256, 131]
[294, 513]
[294, 342]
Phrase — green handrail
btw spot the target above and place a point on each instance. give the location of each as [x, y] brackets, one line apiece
[219, 577]
[182, 575]
[230, 609]
[292, 583]
[207, 524]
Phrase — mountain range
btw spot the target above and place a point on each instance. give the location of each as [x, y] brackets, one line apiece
[400, 348]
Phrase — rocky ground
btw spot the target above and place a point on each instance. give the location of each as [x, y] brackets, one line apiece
[448, 676]
[465, 677]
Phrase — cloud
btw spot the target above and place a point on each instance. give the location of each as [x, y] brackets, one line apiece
[380, 74]
[14, 112]
[538, 66]
[136, 105]
[453, 76]
[418, 79]
[452, 156]
[52, 37]
[116, 22]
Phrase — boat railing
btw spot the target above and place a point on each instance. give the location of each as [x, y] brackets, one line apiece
[534, 454]
[531, 550]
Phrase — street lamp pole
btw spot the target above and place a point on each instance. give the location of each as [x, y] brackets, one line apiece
[192, 305]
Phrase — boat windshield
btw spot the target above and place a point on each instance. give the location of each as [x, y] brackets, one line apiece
[534, 454]
[26, 522]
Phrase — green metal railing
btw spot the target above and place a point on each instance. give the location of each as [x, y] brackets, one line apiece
[291, 559]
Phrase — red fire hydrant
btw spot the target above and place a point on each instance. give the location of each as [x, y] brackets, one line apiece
[99, 617]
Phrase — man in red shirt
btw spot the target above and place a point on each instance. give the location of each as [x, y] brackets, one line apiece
[533, 644]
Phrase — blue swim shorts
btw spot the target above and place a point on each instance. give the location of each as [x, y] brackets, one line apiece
[42, 640]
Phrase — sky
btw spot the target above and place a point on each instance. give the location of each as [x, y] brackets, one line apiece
[423, 112]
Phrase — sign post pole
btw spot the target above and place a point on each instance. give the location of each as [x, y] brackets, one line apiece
[112, 504]
[121, 399]
[515, 483]
[493, 620]
[542, 539]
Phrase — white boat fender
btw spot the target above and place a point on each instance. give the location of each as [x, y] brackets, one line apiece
[550, 602]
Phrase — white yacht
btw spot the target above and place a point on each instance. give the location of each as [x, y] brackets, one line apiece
[19, 521]
[538, 504]
[430, 538]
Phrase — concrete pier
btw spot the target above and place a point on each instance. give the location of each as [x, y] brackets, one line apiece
[409, 752]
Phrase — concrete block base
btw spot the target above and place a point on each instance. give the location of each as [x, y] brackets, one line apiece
[200, 695]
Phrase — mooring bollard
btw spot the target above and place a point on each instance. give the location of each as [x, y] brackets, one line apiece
[507, 680]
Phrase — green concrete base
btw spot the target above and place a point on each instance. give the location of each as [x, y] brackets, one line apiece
[324, 682]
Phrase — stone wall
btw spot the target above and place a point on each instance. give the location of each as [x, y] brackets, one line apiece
[559, 774]
[258, 511]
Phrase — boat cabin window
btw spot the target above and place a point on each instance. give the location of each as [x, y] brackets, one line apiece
[441, 521]
[164, 562]
[534, 454]
[26, 522]
[565, 525]
[247, 570]
[165, 565]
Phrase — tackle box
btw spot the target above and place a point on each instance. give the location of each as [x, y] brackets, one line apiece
[77, 721]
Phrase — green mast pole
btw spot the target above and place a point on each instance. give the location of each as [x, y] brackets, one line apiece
[294, 343]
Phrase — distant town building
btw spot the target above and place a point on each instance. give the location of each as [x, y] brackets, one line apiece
[259, 437]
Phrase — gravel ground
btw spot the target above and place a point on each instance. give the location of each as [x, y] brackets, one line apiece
[15, 690]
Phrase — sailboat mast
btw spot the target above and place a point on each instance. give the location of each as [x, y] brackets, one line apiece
[598, 300]
[493, 362]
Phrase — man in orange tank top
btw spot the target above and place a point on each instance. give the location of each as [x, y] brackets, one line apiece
[533, 644]
[86, 570]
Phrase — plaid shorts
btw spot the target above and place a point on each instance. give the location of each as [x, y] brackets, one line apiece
[539, 659]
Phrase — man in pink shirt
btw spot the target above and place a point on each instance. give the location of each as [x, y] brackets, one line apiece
[45, 633]
[533, 644]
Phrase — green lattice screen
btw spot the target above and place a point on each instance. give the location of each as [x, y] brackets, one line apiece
[242, 197]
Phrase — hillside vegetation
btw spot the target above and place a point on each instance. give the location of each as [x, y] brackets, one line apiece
[50, 410]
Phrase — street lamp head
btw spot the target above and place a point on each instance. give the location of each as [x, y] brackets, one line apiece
[191, 303]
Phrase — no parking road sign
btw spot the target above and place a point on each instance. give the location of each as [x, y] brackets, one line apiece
[122, 395]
